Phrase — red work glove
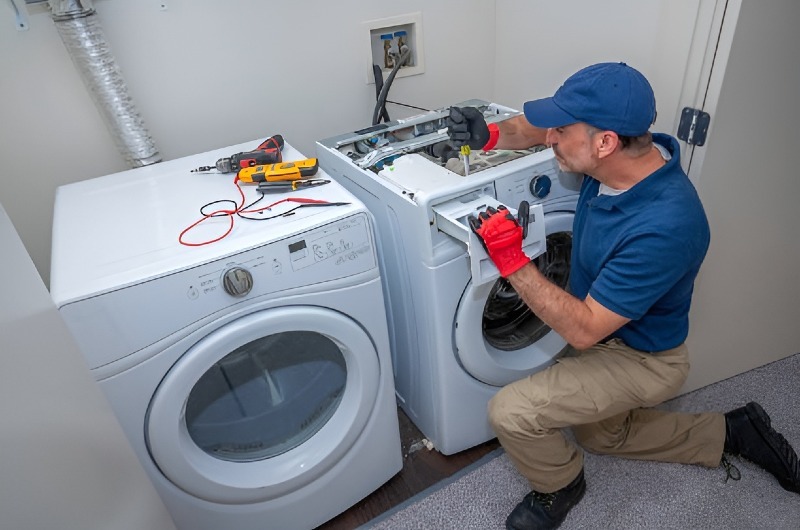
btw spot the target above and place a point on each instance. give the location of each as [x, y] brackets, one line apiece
[501, 236]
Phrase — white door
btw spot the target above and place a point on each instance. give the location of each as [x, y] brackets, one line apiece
[745, 312]
[498, 338]
[264, 405]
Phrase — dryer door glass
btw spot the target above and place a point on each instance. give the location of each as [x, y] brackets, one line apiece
[267, 396]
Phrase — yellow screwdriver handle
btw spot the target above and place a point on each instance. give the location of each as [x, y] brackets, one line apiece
[465, 155]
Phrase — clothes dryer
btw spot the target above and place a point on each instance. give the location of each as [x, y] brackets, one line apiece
[459, 332]
[252, 375]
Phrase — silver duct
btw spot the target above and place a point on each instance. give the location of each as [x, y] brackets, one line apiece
[83, 37]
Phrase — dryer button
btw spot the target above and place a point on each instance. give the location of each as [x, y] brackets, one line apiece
[237, 281]
[192, 293]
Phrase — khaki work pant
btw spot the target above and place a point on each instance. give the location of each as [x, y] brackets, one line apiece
[602, 393]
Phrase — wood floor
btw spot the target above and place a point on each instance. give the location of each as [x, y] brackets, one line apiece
[422, 468]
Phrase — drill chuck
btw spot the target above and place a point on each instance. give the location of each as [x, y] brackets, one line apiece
[224, 165]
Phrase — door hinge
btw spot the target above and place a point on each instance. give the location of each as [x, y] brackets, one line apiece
[693, 126]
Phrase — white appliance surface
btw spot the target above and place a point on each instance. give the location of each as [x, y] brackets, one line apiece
[158, 322]
[116, 230]
[442, 291]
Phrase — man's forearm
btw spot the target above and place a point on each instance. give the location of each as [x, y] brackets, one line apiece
[569, 316]
[517, 133]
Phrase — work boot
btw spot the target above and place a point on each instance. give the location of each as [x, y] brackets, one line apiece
[546, 510]
[749, 434]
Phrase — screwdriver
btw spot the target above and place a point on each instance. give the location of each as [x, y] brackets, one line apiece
[289, 185]
[465, 153]
[269, 152]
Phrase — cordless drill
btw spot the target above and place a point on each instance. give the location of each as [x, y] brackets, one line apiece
[269, 152]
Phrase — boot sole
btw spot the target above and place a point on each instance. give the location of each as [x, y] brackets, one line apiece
[760, 419]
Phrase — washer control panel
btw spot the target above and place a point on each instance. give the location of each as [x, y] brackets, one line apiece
[540, 186]
[537, 183]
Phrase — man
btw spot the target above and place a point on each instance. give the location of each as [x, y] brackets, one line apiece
[639, 237]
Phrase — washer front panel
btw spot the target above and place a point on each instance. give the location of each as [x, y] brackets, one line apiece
[489, 364]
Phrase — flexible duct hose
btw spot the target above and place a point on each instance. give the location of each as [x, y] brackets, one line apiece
[83, 37]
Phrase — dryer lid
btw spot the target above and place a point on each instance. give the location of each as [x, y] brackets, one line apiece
[122, 229]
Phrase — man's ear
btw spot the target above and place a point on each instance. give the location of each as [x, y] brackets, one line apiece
[606, 142]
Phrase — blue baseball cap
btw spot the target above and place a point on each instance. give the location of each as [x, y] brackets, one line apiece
[609, 96]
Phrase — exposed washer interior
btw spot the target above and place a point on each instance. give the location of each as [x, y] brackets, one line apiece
[459, 332]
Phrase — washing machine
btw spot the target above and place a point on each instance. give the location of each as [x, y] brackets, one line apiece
[251, 371]
[458, 331]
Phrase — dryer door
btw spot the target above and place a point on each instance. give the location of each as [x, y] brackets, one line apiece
[263, 405]
[498, 339]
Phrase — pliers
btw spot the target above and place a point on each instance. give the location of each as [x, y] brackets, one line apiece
[280, 186]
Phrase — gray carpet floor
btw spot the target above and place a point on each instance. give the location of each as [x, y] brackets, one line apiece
[628, 494]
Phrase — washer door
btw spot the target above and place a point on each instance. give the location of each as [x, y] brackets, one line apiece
[498, 339]
[264, 405]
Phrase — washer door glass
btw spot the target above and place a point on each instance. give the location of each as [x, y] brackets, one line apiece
[263, 405]
[498, 338]
[266, 397]
[508, 322]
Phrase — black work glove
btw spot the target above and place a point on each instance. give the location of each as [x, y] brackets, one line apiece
[466, 126]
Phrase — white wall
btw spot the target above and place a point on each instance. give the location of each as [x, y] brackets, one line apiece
[540, 44]
[65, 462]
[206, 74]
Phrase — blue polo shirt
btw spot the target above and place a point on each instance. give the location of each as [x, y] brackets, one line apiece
[639, 252]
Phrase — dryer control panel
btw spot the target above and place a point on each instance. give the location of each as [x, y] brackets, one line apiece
[117, 324]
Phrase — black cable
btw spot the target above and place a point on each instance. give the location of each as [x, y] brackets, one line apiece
[378, 74]
[218, 214]
[233, 210]
[406, 105]
[381, 104]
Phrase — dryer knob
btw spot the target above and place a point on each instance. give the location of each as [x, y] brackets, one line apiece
[540, 186]
[237, 281]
